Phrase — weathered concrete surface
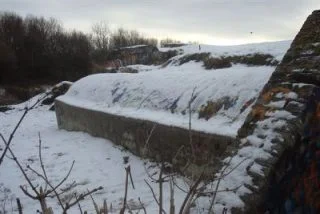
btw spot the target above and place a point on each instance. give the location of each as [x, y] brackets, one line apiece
[293, 82]
[163, 144]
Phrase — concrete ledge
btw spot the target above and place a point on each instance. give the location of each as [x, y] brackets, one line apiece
[164, 143]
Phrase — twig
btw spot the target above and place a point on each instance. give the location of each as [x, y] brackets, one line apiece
[155, 197]
[81, 197]
[191, 193]
[130, 175]
[41, 162]
[161, 189]
[218, 183]
[141, 204]
[153, 194]
[180, 188]
[149, 175]
[24, 174]
[80, 209]
[146, 145]
[210, 193]
[27, 193]
[172, 206]
[126, 190]
[235, 167]
[94, 204]
[105, 207]
[19, 206]
[48, 183]
[64, 179]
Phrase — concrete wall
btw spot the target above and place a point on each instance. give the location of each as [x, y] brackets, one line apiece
[164, 143]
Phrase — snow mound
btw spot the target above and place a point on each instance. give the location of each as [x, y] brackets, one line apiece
[221, 98]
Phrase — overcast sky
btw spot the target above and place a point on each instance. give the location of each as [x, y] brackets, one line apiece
[206, 21]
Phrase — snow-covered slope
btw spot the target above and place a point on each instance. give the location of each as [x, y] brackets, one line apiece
[162, 94]
[276, 49]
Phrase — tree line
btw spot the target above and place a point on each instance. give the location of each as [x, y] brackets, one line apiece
[34, 49]
[37, 50]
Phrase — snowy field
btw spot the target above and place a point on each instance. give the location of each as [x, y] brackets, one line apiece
[98, 162]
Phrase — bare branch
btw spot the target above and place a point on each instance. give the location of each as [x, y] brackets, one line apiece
[180, 188]
[191, 193]
[224, 175]
[172, 206]
[80, 209]
[94, 204]
[210, 193]
[161, 188]
[146, 145]
[126, 190]
[41, 162]
[48, 183]
[23, 172]
[81, 197]
[141, 204]
[105, 207]
[130, 175]
[218, 183]
[19, 206]
[64, 179]
[150, 175]
[151, 189]
[28, 194]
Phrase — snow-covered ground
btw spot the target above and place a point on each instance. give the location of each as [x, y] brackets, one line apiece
[145, 95]
[98, 162]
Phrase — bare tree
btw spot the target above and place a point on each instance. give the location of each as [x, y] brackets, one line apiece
[101, 35]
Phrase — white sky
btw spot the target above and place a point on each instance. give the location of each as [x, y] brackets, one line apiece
[222, 22]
